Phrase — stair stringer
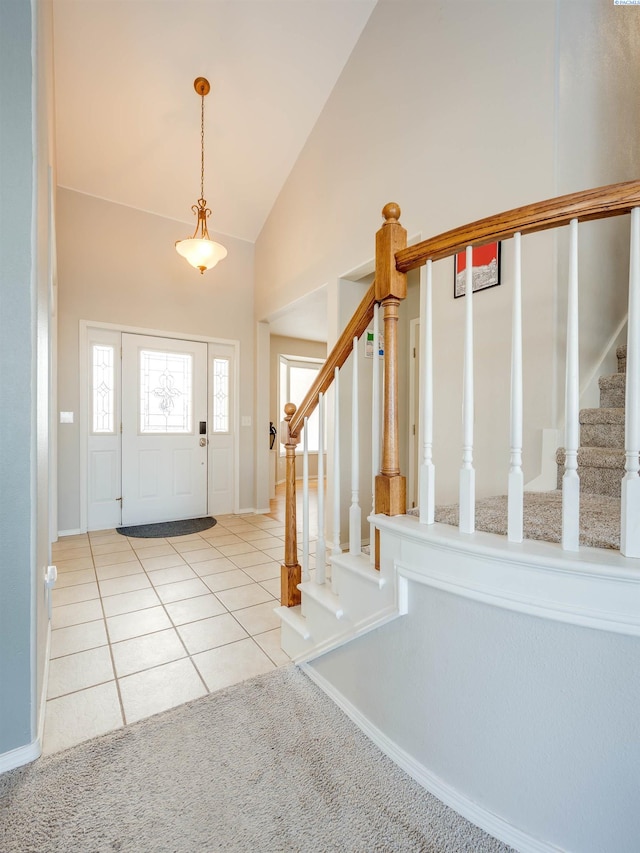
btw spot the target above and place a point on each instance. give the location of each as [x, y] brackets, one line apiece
[364, 600]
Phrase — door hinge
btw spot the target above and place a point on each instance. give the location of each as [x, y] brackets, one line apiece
[120, 427]
[414, 352]
[414, 429]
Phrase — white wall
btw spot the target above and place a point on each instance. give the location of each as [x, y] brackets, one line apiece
[118, 265]
[448, 109]
[532, 720]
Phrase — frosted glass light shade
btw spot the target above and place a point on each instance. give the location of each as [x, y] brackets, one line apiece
[201, 254]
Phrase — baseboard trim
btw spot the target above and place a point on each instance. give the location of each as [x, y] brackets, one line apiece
[481, 817]
[262, 511]
[22, 755]
[75, 532]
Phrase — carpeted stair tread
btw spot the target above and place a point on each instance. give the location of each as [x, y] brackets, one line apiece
[602, 416]
[599, 517]
[612, 390]
[596, 457]
[621, 355]
[602, 428]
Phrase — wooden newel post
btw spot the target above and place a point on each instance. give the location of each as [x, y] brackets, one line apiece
[391, 289]
[290, 572]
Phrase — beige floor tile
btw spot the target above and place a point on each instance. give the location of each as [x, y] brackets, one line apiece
[127, 583]
[243, 561]
[276, 553]
[128, 602]
[136, 624]
[264, 523]
[120, 570]
[272, 586]
[75, 614]
[94, 712]
[194, 609]
[106, 538]
[119, 544]
[269, 642]
[183, 589]
[70, 543]
[194, 543]
[73, 594]
[232, 663]
[259, 618]
[201, 555]
[159, 689]
[75, 565]
[213, 567]
[148, 551]
[152, 564]
[76, 577]
[264, 572]
[236, 548]
[78, 638]
[227, 580]
[140, 653]
[223, 537]
[190, 537]
[78, 671]
[176, 573]
[211, 633]
[263, 543]
[70, 553]
[114, 559]
[243, 596]
[239, 527]
[255, 535]
[138, 542]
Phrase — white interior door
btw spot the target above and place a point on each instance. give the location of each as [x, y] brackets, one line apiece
[164, 429]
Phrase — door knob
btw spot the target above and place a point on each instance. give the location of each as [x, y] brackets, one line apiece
[203, 442]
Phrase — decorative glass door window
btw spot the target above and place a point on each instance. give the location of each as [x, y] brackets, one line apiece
[166, 392]
[220, 395]
[102, 389]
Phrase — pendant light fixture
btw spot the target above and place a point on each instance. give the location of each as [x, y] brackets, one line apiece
[200, 250]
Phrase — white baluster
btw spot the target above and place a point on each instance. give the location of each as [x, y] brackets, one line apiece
[321, 547]
[571, 480]
[355, 515]
[467, 472]
[305, 501]
[516, 477]
[335, 549]
[630, 492]
[375, 426]
[426, 500]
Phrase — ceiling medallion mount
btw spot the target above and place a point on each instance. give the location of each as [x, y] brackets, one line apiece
[200, 250]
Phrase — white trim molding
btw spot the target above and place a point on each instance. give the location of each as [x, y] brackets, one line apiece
[593, 588]
[472, 811]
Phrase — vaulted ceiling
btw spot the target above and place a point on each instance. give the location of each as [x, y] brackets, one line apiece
[128, 118]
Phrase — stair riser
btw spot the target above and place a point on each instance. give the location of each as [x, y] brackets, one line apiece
[612, 398]
[322, 623]
[360, 598]
[597, 481]
[622, 364]
[602, 435]
[292, 643]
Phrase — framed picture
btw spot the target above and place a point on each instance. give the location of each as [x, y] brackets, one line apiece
[486, 268]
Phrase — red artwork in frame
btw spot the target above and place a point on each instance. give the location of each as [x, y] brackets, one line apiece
[486, 268]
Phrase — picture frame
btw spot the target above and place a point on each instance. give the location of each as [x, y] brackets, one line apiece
[486, 269]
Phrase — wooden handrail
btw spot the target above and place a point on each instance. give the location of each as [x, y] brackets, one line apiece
[598, 203]
[336, 358]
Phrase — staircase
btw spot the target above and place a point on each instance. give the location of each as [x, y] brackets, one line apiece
[601, 453]
[357, 599]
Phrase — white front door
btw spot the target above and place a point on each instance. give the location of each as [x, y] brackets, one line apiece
[164, 429]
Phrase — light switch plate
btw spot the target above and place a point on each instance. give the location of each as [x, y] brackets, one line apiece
[66, 417]
[245, 420]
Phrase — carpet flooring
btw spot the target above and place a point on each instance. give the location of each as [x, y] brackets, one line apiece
[265, 766]
[599, 517]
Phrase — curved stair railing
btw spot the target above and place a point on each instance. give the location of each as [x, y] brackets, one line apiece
[393, 261]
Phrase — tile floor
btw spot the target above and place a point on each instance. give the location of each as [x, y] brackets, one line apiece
[143, 625]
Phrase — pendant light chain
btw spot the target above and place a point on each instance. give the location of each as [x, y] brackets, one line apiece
[202, 147]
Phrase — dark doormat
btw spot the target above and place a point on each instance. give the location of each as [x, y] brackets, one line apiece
[168, 528]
